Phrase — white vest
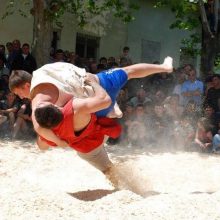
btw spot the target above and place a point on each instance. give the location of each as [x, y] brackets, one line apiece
[68, 78]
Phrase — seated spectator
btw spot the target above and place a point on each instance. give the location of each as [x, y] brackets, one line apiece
[173, 109]
[128, 116]
[9, 108]
[204, 135]
[93, 67]
[137, 132]
[184, 133]
[208, 84]
[191, 111]
[213, 94]
[159, 96]
[122, 99]
[180, 79]
[161, 125]
[110, 62]
[9, 55]
[216, 141]
[100, 68]
[113, 65]
[123, 62]
[3, 69]
[23, 124]
[140, 98]
[59, 56]
[212, 117]
[103, 61]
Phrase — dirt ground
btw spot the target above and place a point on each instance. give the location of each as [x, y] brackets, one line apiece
[56, 184]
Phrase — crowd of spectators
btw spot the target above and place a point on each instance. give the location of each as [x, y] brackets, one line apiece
[163, 110]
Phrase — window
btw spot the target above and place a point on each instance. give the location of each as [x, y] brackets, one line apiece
[87, 46]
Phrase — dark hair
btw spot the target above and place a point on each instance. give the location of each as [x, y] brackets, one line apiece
[205, 123]
[59, 51]
[25, 45]
[18, 78]
[103, 58]
[126, 48]
[48, 116]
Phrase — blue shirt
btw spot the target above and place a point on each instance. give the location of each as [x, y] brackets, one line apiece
[189, 86]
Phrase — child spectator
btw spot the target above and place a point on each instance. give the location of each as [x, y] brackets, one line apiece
[204, 135]
[23, 123]
[9, 108]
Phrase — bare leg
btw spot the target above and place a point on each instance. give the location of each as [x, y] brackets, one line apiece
[144, 69]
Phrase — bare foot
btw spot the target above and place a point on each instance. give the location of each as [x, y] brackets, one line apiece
[115, 112]
[111, 175]
[168, 64]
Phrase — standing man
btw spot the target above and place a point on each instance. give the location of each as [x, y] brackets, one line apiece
[192, 89]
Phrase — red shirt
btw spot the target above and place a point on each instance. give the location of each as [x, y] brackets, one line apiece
[89, 138]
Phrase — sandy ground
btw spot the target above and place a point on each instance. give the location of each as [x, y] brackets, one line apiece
[56, 184]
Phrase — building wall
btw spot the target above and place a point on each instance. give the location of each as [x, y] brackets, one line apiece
[153, 25]
[150, 26]
[15, 26]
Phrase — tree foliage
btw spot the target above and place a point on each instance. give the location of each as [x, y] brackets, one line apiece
[187, 17]
[82, 9]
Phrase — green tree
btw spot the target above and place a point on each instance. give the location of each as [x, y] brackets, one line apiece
[200, 17]
[46, 13]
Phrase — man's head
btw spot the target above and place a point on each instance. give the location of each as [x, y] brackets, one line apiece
[48, 115]
[126, 51]
[192, 75]
[16, 44]
[20, 82]
[25, 48]
[216, 81]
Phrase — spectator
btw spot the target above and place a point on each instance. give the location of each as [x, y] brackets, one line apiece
[3, 70]
[103, 61]
[122, 99]
[216, 141]
[204, 135]
[192, 89]
[173, 109]
[213, 94]
[59, 56]
[29, 62]
[140, 98]
[184, 133]
[212, 117]
[192, 112]
[125, 59]
[15, 60]
[93, 67]
[181, 77]
[23, 124]
[161, 126]
[137, 132]
[9, 54]
[9, 108]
